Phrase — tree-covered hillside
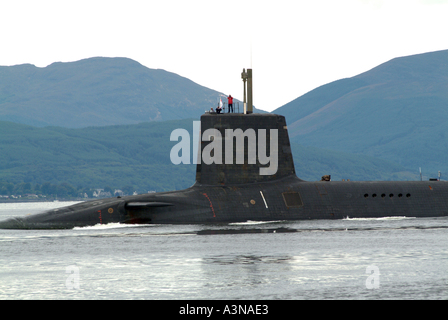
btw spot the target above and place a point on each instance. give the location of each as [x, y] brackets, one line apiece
[138, 156]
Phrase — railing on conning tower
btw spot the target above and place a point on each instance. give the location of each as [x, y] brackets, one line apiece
[225, 108]
[236, 107]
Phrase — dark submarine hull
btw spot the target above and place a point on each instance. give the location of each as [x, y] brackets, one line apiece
[226, 193]
[288, 199]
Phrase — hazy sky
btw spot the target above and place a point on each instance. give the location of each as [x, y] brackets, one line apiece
[292, 46]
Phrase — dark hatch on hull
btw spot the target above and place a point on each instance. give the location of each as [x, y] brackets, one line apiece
[292, 199]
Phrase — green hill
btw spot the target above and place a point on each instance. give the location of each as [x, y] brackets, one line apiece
[139, 156]
[98, 92]
[136, 155]
[397, 111]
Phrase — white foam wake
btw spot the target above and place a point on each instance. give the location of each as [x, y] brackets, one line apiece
[377, 219]
[113, 225]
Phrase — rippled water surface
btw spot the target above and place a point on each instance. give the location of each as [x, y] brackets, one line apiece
[389, 258]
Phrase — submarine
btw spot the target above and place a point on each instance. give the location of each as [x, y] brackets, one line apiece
[237, 181]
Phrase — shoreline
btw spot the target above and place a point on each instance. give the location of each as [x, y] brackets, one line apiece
[43, 200]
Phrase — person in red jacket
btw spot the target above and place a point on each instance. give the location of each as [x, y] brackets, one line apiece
[230, 102]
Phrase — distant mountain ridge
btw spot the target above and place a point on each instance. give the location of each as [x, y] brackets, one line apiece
[397, 111]
[97, 92]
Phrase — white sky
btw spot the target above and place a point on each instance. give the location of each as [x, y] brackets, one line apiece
[292, 46]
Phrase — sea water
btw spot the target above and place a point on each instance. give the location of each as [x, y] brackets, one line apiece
[385, 258]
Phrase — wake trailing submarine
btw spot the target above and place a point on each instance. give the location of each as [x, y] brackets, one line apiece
[239, 183]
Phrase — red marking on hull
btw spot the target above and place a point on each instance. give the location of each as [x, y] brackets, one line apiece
[211, 205]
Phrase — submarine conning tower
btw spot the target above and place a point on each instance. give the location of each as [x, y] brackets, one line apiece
[243, 148]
